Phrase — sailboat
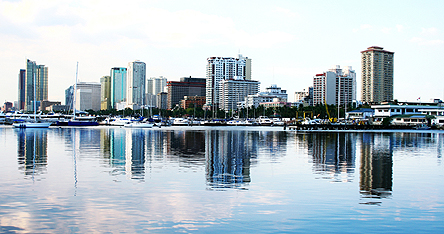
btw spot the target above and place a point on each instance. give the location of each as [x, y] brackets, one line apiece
[78, 121]
[33, 123]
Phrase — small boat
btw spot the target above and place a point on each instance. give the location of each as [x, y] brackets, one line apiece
[138, 125]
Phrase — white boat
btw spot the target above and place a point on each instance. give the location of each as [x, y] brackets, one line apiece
[265, 121]
[32, 125]
[181, 121]
[138, 125]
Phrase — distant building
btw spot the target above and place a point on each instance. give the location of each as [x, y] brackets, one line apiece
[36, 77]
[162, 100]
[234, 91]
[304, 97]
[272, 94]
[118, 86]
[136, 76]
[7, 106]
[88, 96]
[69, 97]
[187, 86]
[335, 87]
[224, 68]
[46, 105]
[105, 96]
[21, 89]
[155, 85]
[377, 75]
[195, 101]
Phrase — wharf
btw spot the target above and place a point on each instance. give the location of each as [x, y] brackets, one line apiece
[338, 127]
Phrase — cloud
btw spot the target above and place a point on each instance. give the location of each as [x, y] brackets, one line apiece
[399, 27]
[285, 12]
[429, 31]
[427, 42]
[363, 27]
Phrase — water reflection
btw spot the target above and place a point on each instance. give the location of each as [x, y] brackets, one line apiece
[228, 155]
[376, 168]
[32, 153]
[333, 155]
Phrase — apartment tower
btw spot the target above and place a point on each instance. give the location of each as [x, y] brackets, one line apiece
[36, 77]
[377, 75]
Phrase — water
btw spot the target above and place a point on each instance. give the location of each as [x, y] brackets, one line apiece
[219, 179]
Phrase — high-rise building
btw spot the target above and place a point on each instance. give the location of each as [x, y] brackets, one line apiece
[136, 76]
[377, 75]
[118, 86]
[155, 85]
[223, 68]
[22, 89]
[335, 87]
[36, 77]
[105, 96]
[69, 97]
[187, 86]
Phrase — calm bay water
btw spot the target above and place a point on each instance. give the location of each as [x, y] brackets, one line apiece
[220, 179]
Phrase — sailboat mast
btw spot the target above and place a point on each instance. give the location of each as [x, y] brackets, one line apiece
[75, 93]
[35, 98]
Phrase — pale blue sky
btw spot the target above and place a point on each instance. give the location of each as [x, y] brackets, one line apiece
[288, 41]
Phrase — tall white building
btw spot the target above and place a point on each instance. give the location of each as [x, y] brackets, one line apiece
[335, 86]
[223, 68]
[234, 91]
[88, 96]
[155, 85]
[136, 75]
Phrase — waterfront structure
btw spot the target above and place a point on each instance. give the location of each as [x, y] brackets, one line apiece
[271, 94]
[7, 106]
[187, 86]
[155, 85]
[118, 86]
[21, 89]
[40, 72]
[377, 75]
[88, 96]
[105, 96]
[47, 105]
[335, 86]
[136, 74]
[224, 68]
[196, 101]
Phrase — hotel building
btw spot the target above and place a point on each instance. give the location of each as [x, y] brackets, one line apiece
[136, 76]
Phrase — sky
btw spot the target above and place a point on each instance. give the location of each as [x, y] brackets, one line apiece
[288, 41]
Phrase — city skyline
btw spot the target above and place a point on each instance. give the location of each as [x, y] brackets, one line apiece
[288, 41]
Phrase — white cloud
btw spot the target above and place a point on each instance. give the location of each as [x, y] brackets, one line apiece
[427, 42]
[363, 27]
[400, 28]
[285, 12]
[429, 31]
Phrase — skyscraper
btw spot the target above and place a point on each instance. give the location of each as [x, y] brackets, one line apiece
[221, 68]
[36, 77]
[136, 74]
[118, 86]
[377, 75]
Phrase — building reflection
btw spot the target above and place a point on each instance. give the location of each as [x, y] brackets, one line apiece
[333, 154]
[228, 157]
[188, 147]
[32, 152]
[376, 170]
